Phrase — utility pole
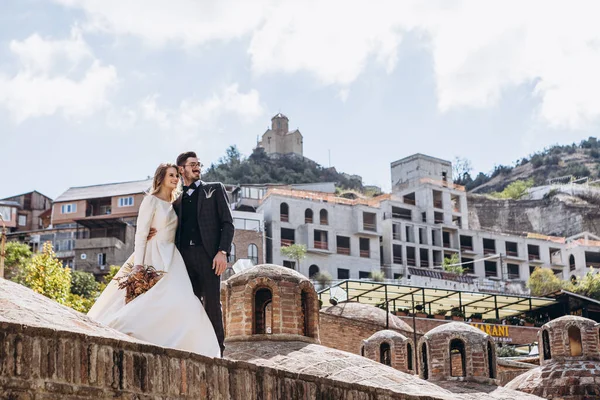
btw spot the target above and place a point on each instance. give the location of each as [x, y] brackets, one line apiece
[2, 247]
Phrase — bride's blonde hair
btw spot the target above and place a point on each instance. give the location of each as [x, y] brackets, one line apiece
[159, 178]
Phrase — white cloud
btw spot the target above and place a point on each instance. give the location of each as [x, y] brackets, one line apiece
[55, 76]
[479, 48]
[193, 114]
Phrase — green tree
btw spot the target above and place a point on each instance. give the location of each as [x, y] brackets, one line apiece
[589, 285]
[324, 278]
[84, 284]
[543, 281]
[515, 191]
[450, 265]
[17, 255]
[45, 274]
[296, 252]
[112, 271]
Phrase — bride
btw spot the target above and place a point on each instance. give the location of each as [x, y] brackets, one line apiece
[169, 314]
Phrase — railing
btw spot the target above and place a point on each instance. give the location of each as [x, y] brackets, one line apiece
[438, 221]
[411, 262]
[308, 220]
[321, 245]
[466, 248]
[286, 242]
[491, 274]
[514, 276]
[446, 245]
[343, 250]
[489, 251]
[323, 221]
[534, 257]
[512, 253]
[326, 197]
[396, 236]
[412, 202]
[402, 216]
[369, 227]
[397, 260]
[432, 182]
[365, 253]
[284, 218]
[425, 263]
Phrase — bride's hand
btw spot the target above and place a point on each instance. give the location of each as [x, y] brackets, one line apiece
[151, 233]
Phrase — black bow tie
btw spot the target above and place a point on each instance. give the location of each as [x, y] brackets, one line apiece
[192, 186]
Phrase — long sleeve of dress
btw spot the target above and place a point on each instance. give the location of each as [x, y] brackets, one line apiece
[144, 222]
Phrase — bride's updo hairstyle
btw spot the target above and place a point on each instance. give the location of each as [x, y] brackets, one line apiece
[159, 178]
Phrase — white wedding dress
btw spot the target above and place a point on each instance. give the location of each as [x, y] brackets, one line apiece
[169, 314]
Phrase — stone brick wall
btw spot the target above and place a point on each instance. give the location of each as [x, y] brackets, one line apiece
[41, 363]
[347, 334]
[398, 350]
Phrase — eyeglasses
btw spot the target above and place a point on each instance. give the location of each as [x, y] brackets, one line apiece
[194, 165]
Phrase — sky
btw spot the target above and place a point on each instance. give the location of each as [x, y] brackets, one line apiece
[101, 91]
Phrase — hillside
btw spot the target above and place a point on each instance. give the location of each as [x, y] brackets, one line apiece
[233, 168]
[577, 160]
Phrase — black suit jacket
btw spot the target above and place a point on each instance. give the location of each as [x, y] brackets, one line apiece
[214, 217]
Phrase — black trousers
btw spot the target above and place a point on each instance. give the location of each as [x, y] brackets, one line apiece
[206, 284]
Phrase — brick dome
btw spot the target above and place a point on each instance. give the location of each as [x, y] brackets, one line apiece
[367, 313]
[569, 358]
[269, 302]
[457, 351]
[390, 348]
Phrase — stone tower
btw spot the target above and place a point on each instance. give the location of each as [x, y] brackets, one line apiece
[278, 140]
[390, 348]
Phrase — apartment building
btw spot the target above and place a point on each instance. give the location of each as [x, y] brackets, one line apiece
[426, 220]
[8, 212]
[33, 211]
[102, 219]
[342, 236]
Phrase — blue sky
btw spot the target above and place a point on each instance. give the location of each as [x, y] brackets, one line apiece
[98, 91]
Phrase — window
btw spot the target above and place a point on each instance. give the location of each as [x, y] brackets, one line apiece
[458, 360]
[369, 221]
[491, 360]
[396, 254]
[126, 201]
[320, 240]
[512, 249]
[575, 341]
[365, 251]
[410, 233]
[306, 331]
[101, 259]
[424, 365]
[231, 258]
[22, 220]
[262, 311]
[363, 275]
[284, 212]
[466, 243]
[287, 237]
[343, 245]
[343, 273]
[246, 224]
[323, 217]
[533, 251]
[253, 253]
[401, 213]
[308, 216]
[572, 263]
[410, 199]
[289, 264]
[68, 208]
[385, 356]
[491, 269]
[546, 345]
[411, 258]
[489, 246]
[313, 270]
[468, 265]
[5, 212]
[513, 271]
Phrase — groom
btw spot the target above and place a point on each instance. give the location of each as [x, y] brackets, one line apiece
[204, 236]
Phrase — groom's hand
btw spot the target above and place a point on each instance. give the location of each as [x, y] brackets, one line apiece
[151, 233]
[220, 263]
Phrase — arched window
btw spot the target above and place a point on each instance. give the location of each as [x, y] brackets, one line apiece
[262, 311]
[253, 253]
[308, 216]
[323, 217]
[546, 345]
[409, 357]
[385, 354]
[231, 258]
[575, 341]
[491, 363]
[284, 212]
[424, 365]
[458, 360]
[571, 262]
[306, 331]
[313, 270]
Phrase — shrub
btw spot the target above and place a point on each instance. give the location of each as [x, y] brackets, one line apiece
[84, 284]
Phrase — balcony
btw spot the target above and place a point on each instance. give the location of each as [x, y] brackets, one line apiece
[343, 250]
[286, 242]
[96, 243]
[321, 245]
[369, 227]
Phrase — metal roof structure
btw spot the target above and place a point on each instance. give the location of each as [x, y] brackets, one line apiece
[107, 190]
[490, 305]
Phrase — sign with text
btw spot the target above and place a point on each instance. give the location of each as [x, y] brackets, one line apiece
[500, 333]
